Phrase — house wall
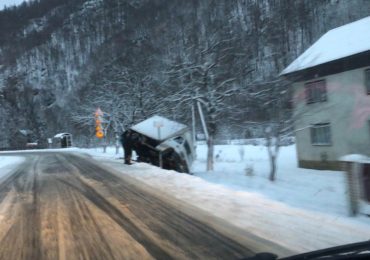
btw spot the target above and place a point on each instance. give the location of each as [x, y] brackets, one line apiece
[347, 109]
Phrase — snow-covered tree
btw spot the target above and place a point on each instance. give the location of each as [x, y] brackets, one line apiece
[206, 80]
[274, 97]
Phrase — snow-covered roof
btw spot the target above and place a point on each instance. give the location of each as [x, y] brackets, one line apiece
[168, 128]
[60, 135]
[354, 158]
[25, 131]
[341, 42]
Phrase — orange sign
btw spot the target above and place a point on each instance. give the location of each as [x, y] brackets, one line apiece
[98, 127]
[99, 134]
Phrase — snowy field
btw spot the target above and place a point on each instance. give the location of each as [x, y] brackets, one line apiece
[303, 210]
[323, 191]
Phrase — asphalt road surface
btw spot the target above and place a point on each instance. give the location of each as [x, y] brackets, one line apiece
[63, 206]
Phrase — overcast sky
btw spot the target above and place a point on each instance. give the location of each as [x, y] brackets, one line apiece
[9, 3]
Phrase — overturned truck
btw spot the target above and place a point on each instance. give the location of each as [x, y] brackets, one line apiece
[164, 143]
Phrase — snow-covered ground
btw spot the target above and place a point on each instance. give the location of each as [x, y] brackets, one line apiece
[70, 149]
[323, 191]
[303, 210]
[8, 163]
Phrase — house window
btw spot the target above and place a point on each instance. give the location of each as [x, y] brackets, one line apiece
[315, 91]
[367, 81]
[320, 134]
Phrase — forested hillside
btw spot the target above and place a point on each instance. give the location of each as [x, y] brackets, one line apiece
[60, 59]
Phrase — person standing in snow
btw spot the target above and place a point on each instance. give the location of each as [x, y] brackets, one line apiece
[127, 145]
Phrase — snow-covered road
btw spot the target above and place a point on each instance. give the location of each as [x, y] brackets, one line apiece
[62, 206]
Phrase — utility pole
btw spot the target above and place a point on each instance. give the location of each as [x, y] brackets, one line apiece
[193, 123]
[203, 120]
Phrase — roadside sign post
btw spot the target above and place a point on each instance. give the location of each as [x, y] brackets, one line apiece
[99, 133]
[50, 141]
[98, 123]
[158, 125]
[117, 142]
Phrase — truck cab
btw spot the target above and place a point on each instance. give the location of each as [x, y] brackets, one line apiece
[164, 143]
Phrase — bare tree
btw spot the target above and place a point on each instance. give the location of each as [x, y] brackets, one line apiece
[116, 110]
[125, 95]
[207, 81]
[275, 98]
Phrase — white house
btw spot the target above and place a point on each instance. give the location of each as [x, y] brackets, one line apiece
[331, 83]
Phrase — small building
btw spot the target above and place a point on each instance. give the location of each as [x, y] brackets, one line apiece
[331, 85]
[62, 140]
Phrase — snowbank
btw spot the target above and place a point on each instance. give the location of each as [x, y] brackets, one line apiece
[8, 163]
[296, 229]
[303, 210]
